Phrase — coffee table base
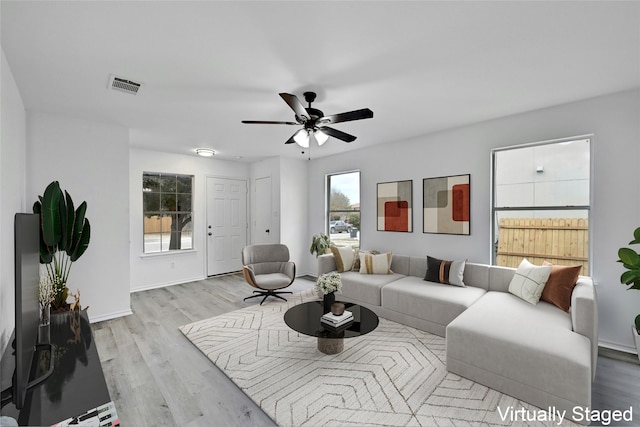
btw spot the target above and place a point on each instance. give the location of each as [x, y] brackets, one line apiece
[330, 345]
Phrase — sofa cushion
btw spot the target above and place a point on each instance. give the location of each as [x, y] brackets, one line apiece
[344, 256]
[528, 281]
[375, 264]
[445, 272]
[430, 301]
[559, 287]
[365, 287]
[519, 348]
[400, 264]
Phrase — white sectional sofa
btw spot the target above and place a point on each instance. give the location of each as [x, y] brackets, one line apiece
[539, 353]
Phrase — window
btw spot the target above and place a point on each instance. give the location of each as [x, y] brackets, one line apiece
[541, 201]
[343, 209]
[167, 212]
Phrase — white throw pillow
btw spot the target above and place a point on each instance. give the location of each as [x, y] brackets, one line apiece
[529, 280]
[344, 256]
[375, 264]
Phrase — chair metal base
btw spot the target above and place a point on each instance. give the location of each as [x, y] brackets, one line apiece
[267, 294]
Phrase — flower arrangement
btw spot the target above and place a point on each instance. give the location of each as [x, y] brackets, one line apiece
[47, 293]
[328, 283]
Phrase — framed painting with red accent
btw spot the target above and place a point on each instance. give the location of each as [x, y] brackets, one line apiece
[395, 206]
[446, 205]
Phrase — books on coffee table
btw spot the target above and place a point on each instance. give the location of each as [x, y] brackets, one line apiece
[335, 321]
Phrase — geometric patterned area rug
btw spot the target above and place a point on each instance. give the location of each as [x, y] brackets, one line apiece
[393, 376]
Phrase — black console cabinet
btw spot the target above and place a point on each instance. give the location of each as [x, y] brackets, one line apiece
[77, 383]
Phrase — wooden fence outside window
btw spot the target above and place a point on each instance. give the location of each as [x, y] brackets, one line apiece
[563, 241]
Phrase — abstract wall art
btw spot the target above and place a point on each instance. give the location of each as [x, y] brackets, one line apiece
[446, 207]
[395, 206]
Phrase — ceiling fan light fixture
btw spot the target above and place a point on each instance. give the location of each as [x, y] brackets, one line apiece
[321, 137]
[302, 138]
[205, 152]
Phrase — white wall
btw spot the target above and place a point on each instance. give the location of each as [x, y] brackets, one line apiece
[614, 121]
[90, 160]
[157, 270]
[12, 191]
[293, 208]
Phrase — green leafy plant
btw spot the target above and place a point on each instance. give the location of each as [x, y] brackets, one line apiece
[630, 259]
[319, 244]
[64, 237]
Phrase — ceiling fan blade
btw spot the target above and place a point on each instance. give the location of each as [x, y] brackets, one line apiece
[338, 134]
[364, 113]
[296, 106]
[262, 122]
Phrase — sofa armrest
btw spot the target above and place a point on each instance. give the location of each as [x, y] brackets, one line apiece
[584, 315]
[326, 264]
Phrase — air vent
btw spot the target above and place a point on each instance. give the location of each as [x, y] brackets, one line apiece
[124, 85]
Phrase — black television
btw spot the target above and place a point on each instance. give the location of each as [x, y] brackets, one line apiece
[27, 305]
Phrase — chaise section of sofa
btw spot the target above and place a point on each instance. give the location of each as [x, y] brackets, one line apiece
[536, 353]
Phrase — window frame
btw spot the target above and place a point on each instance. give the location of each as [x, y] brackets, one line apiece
[493, 243]
[328, 210]
[162, 212]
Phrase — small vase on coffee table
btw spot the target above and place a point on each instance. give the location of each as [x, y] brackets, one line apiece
[328, 299]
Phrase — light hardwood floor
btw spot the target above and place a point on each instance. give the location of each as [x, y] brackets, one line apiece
[156, 377]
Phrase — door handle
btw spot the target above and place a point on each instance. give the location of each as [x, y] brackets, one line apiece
[210, 234]
[267, 230]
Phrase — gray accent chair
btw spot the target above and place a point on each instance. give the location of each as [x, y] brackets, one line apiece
[268, 268]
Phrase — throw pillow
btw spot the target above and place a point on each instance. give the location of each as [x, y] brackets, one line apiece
[560, 285]
[375, 264]
[447, 272]
[528, 281]
[356, 263]
[344, 257]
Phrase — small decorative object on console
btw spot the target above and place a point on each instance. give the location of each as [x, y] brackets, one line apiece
[104, 415]
[46, 296]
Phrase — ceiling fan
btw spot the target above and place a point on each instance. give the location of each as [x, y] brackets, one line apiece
[314, 122]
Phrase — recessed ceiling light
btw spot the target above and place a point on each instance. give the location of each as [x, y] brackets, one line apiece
[205, 152]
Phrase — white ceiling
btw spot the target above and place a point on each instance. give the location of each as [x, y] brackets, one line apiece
[420, 66]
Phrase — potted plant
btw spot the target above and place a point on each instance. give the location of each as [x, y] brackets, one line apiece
[319, 244]
[64, 237]
[630, 259]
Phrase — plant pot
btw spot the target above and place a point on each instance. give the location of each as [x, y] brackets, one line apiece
[637, 338]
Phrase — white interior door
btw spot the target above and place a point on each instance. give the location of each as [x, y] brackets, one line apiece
[262, 230]
[226, 224]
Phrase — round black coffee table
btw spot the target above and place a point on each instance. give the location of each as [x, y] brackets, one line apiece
[305, 318]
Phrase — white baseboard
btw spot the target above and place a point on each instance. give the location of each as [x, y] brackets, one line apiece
[617, 346]
[164, 285]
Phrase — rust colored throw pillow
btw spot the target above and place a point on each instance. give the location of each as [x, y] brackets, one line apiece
[560, 285]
